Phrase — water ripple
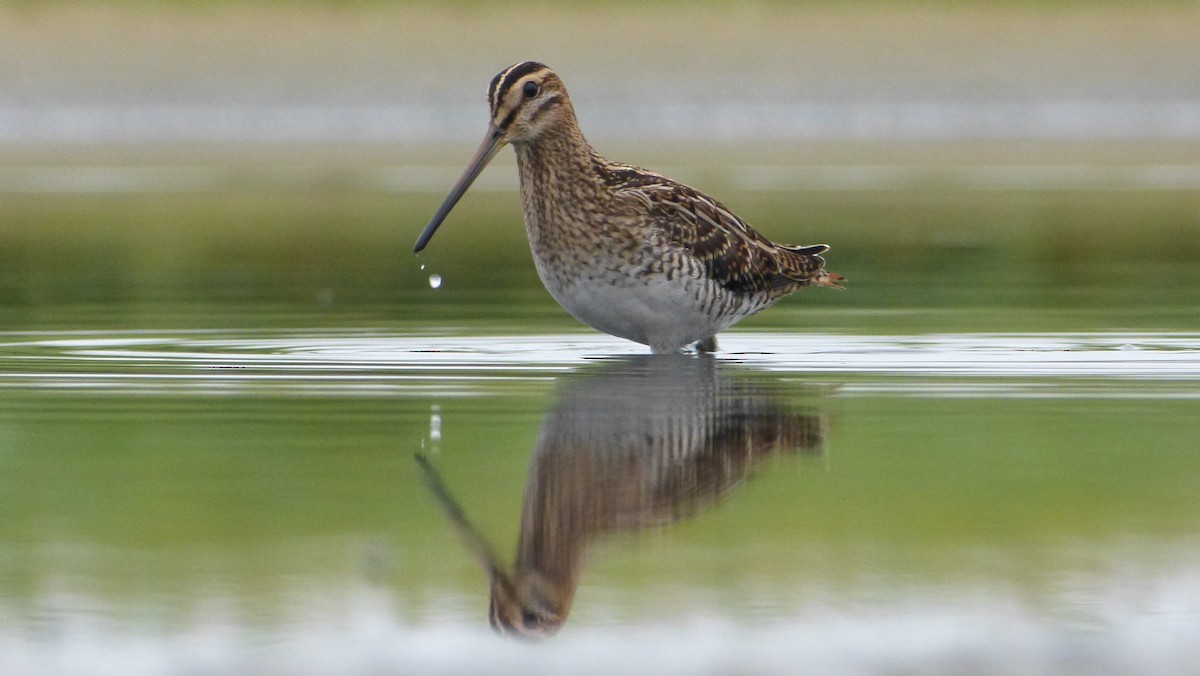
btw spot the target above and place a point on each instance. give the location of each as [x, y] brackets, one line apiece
[375, 363]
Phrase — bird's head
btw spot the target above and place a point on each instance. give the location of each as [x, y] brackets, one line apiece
[527, 101]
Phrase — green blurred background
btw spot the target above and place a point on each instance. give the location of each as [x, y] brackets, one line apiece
[191, 164]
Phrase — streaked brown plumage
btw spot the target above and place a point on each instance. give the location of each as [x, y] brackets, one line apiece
[625, 250]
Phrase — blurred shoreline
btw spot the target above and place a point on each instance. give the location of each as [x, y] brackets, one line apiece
[208, 81]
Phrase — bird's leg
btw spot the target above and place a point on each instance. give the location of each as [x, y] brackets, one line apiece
[708, 344]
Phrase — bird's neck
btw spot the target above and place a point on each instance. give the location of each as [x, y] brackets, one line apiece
[561, 159]
[562, 191]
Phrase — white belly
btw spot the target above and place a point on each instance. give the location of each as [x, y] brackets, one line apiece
[665, 313]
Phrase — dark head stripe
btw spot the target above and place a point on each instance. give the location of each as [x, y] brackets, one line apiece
[511, 75]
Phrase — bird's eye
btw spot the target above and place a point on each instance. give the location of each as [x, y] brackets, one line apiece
[531, 620]
[530, 89]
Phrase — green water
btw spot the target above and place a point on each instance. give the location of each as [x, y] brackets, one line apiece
[982, 454]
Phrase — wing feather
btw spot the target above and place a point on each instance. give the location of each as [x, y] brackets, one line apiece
[733, 253]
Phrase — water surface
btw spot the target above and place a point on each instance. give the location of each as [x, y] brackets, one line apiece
[236, 501]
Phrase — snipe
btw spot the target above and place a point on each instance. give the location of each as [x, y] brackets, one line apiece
[625, 250]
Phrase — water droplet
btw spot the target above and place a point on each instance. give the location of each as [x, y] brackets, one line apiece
[435, 281]
[435, 424]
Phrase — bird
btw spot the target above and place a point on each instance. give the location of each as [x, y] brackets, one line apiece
[626, 250]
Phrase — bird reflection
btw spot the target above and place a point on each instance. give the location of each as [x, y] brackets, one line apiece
[636, 443]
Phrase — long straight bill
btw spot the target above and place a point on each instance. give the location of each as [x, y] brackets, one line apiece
[475, 542]
[492, 143]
